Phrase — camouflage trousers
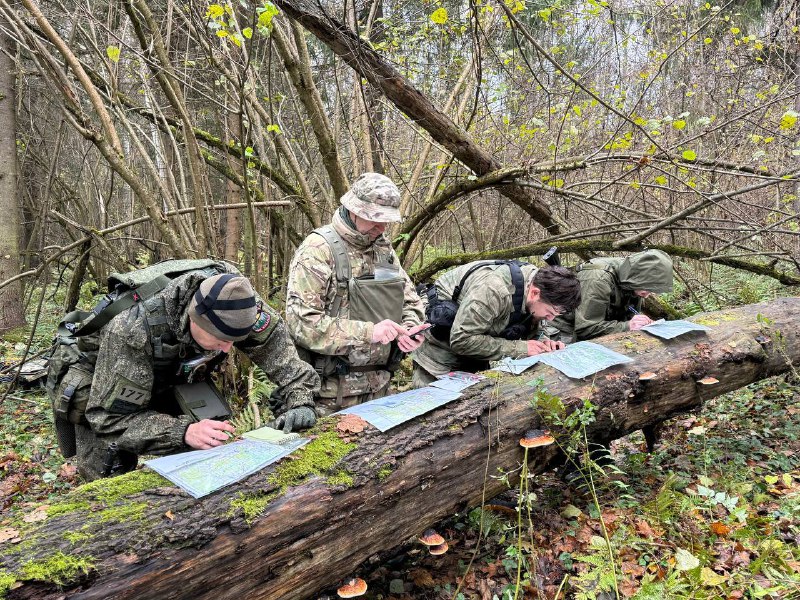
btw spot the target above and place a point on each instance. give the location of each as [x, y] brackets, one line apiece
[421, 377]
[93, 453]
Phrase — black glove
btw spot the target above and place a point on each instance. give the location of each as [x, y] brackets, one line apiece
[295, 419]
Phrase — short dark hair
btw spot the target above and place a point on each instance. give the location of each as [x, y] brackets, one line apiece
[559, 287]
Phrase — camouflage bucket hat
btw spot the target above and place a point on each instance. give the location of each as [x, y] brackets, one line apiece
[374, 197]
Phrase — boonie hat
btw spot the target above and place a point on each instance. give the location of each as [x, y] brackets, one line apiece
[224, 306]
[374, 197]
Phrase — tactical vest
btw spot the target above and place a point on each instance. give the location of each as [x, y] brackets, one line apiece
[373, 298]
[72, 359]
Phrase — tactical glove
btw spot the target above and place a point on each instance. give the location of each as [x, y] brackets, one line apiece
[295, 419]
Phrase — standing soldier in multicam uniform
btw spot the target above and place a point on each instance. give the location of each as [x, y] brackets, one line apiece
[494, 315]
[612, 291]
[348, 299]
[132, 401]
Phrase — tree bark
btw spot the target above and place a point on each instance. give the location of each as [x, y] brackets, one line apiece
[12, 313]
[314, 532]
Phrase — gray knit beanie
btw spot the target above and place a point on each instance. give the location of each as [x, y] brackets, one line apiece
[224, 306]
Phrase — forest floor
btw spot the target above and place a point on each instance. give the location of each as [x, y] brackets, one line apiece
[713, 512]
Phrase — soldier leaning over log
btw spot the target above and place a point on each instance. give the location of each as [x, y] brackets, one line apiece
[612, 292]
[488, 310]
[145, 397]
[350, 307]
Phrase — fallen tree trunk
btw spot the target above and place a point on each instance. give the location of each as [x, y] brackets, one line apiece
[343, 500]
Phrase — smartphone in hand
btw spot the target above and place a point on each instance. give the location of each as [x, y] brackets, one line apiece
[416, 336]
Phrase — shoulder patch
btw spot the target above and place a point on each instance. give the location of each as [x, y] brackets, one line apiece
[262, 320]
[127, 397]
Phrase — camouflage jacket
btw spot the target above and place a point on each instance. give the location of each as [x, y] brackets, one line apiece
[484, 310]
[128, 405]
[311, 289]
[607, 290]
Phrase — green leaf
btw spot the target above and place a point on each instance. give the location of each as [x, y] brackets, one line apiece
[771, 479]
[689, 155]
[274, 128]
[113, 53]
[247, 32]
[685, 560]
[679, 124]
[661, 180]
[266, 14]
[439, 16]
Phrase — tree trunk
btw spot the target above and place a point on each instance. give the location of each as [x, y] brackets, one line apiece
[12, 313]
[389, 486]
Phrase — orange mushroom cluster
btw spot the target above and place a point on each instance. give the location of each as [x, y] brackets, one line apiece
[436, 543]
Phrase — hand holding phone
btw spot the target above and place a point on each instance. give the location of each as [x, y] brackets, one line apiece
[418, 334]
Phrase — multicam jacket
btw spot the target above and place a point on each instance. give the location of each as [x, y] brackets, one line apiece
[484, 311]
[607, 290]
[130, 401]
[311, 289]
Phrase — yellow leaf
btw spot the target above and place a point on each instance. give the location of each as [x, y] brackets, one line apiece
[735, 30]
[215, 11]
[679, 124]
[222, 33]
[709, 577]
[247, 32]
[439, 16]
[689, 155]
[113, 53]
[788, 119]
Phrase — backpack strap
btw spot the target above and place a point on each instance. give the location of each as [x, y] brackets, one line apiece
[517, 299]
[79, 323]
[341, 266]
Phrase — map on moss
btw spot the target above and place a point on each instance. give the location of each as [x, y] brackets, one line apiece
[201, 472]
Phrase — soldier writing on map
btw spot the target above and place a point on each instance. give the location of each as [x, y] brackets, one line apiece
[489, 310]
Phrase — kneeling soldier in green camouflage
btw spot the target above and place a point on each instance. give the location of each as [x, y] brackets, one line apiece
[350, 306]
[488, 310]
[139, 402]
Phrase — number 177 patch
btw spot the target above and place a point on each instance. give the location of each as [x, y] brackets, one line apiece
[127, 397]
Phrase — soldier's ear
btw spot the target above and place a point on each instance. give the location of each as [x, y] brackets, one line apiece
[534, 293]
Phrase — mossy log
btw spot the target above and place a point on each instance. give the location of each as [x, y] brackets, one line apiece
[310, 521]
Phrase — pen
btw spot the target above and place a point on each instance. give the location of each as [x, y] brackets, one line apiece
[633, 310]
